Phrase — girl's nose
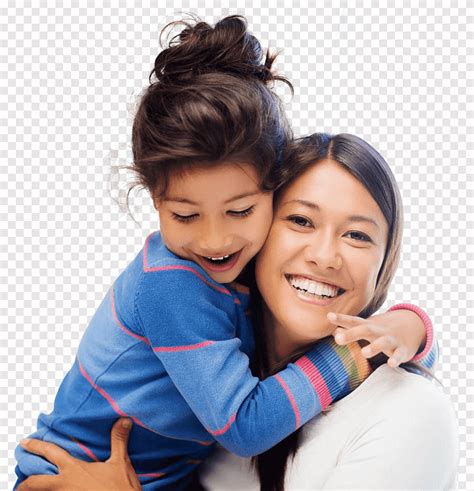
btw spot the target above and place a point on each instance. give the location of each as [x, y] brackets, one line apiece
[215, 240]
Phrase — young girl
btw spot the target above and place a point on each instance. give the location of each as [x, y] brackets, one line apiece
[169, 345]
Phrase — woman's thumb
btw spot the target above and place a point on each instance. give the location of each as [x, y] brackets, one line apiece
[119, 439]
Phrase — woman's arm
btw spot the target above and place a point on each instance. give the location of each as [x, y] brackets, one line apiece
[116, 473]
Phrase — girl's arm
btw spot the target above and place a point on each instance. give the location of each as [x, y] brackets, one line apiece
[413, 319]
[192, 327]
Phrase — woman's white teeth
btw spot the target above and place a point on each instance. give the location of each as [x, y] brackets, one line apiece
[313, 287]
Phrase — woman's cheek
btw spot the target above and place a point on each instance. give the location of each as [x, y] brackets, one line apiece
[367, 272]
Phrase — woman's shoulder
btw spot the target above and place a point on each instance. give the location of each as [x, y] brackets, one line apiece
[398, 386]
[405, 405]
[398, 392]
[394, 422]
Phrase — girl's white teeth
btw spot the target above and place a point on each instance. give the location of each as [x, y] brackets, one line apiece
[313, 287]
[218, 258]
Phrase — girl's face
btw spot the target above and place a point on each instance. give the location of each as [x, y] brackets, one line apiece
[217, 217]
[323, 253]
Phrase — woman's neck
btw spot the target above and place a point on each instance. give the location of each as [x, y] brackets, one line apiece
[280, 348]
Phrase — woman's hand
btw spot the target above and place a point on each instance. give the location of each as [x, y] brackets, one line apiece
[399, 334]
[116, 473]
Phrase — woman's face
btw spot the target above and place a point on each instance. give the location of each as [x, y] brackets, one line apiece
[323, 253]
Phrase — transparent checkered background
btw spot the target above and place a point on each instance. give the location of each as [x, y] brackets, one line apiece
[396, 76]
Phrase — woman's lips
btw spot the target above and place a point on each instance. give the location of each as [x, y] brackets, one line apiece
[311, 297]
[217, 267]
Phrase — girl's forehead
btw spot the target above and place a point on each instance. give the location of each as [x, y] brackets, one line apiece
[219, 183]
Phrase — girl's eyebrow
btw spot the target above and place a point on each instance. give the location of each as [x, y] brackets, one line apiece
[234, 198]
[351, 218]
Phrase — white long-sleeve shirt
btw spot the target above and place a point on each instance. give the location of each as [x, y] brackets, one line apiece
[397, 430]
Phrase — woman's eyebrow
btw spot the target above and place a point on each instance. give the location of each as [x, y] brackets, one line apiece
[303, 202]
[362, 218]
[351, 218]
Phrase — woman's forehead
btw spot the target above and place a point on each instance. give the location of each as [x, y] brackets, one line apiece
[327, 185]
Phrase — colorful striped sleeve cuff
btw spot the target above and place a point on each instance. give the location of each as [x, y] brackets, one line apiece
[334, 371]
[428, 354]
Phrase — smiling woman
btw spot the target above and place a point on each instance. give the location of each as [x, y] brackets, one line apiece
[334, 246]
[329, 245]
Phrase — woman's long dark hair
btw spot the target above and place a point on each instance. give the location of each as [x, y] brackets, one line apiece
[210, 100]
[368, 167]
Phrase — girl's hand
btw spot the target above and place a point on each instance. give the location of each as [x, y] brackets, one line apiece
[399, 334]
[116, 473]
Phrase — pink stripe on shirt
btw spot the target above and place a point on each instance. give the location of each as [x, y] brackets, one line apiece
[148, 269]
[119, 411]
[291, 399]
[117, 321]
[185, 347]
[317, 381]
[85, 449]
[221, 431]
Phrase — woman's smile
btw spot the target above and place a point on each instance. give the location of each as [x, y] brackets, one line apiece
[323, 253]
[313, 290]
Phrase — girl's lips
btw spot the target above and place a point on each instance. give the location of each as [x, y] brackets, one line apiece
[219, 268]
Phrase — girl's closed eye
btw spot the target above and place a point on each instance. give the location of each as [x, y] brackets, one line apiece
[242, 213]
[184, 218]
[233, 213]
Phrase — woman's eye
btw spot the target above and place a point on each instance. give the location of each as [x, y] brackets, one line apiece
[300, 220]
[242, 213]
[184, 218]
[360, 236]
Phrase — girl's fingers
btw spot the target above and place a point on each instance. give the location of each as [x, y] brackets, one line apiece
[49, 451]
[119, 439]
[38, 483]
[344, 320]
[383, 344]
[398, 356]
[369, 332]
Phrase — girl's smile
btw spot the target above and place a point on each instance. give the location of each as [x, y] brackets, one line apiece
[216, 216]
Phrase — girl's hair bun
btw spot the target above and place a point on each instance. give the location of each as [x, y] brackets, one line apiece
[200, 48]
[211, 103]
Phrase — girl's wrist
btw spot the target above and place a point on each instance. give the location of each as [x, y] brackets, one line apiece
[426, 322]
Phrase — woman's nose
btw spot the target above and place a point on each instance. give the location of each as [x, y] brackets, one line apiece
[323, 252]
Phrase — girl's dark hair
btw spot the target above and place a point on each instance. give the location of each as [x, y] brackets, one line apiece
[368, 167]
[211, 100]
